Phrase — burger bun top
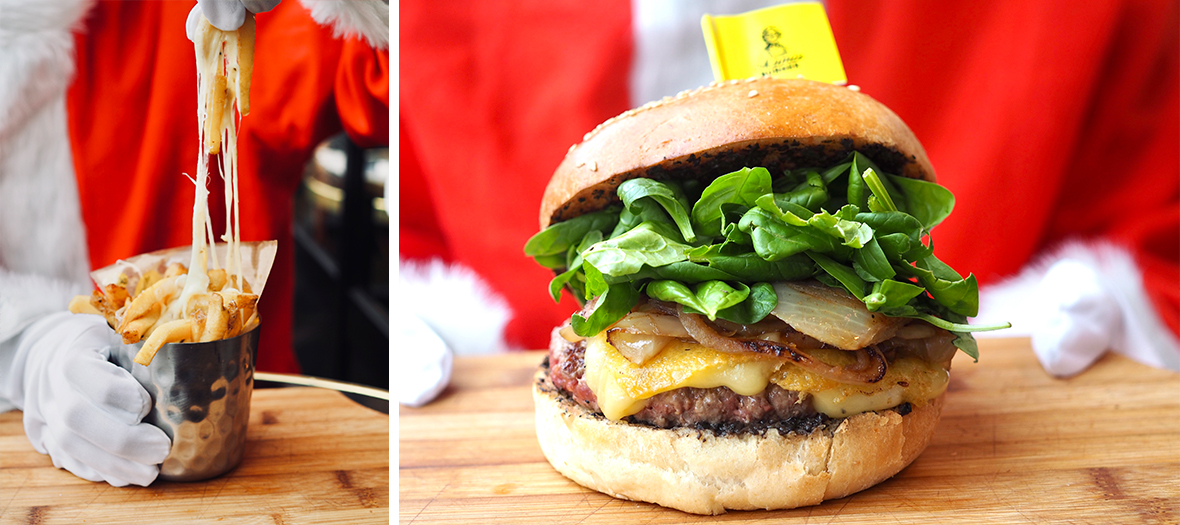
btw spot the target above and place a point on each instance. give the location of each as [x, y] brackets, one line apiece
[702, 134]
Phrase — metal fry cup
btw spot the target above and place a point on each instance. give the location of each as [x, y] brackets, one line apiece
[201, 398]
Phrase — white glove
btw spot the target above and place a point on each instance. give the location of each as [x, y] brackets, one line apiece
[226, 15]
[81, 409]
[424, 362]
[1076, 304]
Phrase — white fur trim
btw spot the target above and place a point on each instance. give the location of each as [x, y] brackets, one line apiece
[41, 228]
[1077, 302]
[25, 297]
[36, 55]
[459, 306]
[367, 18]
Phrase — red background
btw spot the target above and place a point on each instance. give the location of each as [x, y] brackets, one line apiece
[1049, 120]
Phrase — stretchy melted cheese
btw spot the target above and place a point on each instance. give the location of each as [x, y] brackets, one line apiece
[623, 388]
[224, 67]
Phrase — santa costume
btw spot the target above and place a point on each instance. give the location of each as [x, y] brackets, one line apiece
[98, 131]
[1057, 127]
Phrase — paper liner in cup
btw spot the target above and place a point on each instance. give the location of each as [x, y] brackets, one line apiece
[257, 259]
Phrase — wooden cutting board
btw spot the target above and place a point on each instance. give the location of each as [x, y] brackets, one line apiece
[1015, 445]
[312, 456]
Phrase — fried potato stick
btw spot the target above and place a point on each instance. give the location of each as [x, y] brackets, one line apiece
[245, 63]
[176, 331]
[149, 278]
[145, 309]
[173, 270]
[216, 111]
[80, 304]
[99, 301]
[117, 293]
[217, 280]
[216, 319]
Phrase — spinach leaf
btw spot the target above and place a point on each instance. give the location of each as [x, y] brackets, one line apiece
[613, 304]
[649, 243]
[880, 201]
[811, 194]
[889, 222]
[858, 191]
[574, 264]
[557, 238]
[669, 196]
[966, 342]
[850, 233]
[895, 246]
[961, 296]
[749, 267]
[735, 238]
[554, 261]
[718, 299]
[741, 187]
[639, 213]
[560, 281]
[957, 294]
[761, 301]
[684, 271]
[784, 210]
[835, 172]
[846, 276]
[871, 264]
[941, 321]
[707, 298]
[774, 240]
[891, 294]
[926, 201]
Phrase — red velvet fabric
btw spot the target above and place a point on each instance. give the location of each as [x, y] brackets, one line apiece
[1050, 121]
[492, 95]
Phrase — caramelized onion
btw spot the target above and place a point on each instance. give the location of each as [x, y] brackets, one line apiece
[869, 368]
[831, 315]
[936, 347]
[917, 330]
[637, 348]
[567, 332]
[653, 323]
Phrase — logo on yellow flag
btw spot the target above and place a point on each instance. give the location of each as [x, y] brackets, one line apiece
[786, 41]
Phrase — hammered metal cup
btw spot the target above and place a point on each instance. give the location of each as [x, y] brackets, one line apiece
[201, 398]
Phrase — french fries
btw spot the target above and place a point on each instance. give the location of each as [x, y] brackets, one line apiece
[170, 305]
[171, 332]
[81, 305]
[245, 63]
[150, 312]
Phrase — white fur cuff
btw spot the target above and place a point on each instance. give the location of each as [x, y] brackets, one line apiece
[367, 18]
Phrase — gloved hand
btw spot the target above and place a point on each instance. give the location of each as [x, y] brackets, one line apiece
[79, 408]
[1077, 303]
[226, 15]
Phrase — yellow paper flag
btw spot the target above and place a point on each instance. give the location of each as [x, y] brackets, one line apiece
[786, 41]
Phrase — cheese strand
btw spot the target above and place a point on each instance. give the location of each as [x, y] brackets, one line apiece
[219, 84]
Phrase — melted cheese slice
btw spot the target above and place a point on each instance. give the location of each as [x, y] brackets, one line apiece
[623, 388]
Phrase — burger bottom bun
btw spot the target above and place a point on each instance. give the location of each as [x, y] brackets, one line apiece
[706, 473]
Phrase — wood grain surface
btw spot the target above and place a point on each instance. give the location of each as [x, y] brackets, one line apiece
[1015, 445]
[312, 456]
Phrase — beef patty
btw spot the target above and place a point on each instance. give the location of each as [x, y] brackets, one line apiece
[708, 408]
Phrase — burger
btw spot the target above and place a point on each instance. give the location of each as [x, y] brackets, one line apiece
[764, 322]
